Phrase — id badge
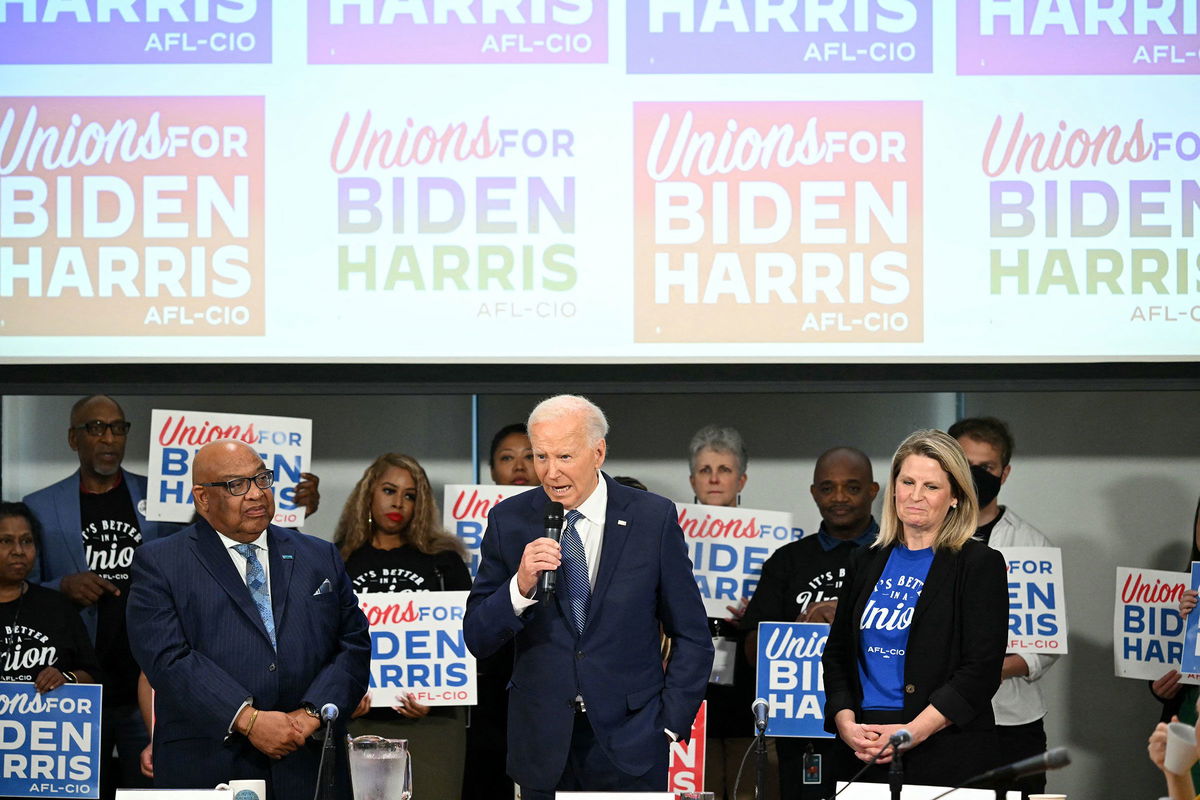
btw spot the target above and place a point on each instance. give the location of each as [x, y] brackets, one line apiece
[812, 768]
[724, 657]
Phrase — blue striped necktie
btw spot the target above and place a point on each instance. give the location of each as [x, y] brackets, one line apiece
[574, 562]
[256, 581]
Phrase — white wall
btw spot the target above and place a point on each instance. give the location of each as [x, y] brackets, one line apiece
[1112, 478]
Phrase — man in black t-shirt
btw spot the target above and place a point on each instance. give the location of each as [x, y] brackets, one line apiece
[800, 583]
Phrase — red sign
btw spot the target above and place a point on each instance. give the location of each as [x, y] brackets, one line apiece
[686, 770]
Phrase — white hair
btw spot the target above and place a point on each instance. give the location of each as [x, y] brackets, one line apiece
[595, 424]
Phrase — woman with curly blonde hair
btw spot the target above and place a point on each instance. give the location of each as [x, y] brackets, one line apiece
[392, 541]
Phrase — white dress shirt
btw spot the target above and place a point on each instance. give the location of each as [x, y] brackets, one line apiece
[591, 532]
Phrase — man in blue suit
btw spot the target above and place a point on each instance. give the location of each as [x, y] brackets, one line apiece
[244, 629]
[590, 706]
[92, 521]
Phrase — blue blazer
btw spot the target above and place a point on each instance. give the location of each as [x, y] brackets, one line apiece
[197, 635]
[645, 579]
[57, 509]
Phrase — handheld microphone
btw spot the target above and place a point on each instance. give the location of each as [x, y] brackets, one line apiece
[552, 525]
[761, 711]
[1051, 759]
[900, 740]
[329, 712]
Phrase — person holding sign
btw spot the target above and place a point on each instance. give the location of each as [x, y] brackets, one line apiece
[44, 641]
[245, 629]
[717, 459]
[391, 540]
[1018, 704]
[917, 642]
[590, 707]
[800, 583]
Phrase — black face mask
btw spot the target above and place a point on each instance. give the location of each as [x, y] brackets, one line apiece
[987, 485]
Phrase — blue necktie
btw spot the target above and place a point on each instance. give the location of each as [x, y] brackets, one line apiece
[256, 581]
[574, 562]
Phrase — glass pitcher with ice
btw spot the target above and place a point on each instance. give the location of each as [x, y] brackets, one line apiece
[380, 768]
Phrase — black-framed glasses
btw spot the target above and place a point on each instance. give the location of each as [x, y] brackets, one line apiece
[97, 427]
[239, 486]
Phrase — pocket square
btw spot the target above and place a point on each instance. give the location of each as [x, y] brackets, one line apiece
[325, 588]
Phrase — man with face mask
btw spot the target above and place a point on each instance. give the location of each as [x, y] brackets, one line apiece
[1018, 704]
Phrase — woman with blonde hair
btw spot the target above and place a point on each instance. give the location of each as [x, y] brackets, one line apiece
[392, 541]
[919, 636]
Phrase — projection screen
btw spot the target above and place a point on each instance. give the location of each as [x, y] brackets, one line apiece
[651, 181]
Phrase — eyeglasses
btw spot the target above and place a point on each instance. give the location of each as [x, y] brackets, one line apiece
[239, 486]
[97, 427]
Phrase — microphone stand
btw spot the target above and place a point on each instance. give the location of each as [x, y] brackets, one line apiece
[760, 756]
[896, 774]
[326, 773]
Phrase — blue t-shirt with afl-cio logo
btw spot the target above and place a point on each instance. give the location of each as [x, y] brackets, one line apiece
[884, 626]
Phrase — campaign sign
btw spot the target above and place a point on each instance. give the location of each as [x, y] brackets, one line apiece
[789, 677]
[728, 547]
[686, 770]
[1191, 641]
[751, 36]
[132, 216]
[458, 32]
[465, 511]
[1077, 37]
[285, 444]
[417, 647]
[1147, 626]
[775, 221]
[1037, 614]
[50, 742]
[125, 32]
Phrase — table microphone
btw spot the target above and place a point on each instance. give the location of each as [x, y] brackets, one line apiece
[552, 526]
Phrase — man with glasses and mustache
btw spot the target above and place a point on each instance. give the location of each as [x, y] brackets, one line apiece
[245, 630]
[92, 521]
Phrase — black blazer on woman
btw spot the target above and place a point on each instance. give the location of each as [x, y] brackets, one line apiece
[956, 644]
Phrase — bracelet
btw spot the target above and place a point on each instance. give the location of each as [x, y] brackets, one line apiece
[250, 726]
[69, 677]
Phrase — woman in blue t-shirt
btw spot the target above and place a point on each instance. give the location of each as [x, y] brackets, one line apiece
[919, 636]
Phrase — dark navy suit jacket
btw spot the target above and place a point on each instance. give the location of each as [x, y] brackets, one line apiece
[645, 578]
[198, 636]
[57, 509]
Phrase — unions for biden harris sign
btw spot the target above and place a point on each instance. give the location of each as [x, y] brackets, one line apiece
[284, 443]
[1037, 614]
[728, 547]
[50, 743]
[790, 678]
[1147, 626]
[417, 647]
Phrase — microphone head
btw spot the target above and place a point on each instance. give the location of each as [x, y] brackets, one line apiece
[329, 712]
[759, 702]
[900, 739]
[1057, 758]
[553, 514]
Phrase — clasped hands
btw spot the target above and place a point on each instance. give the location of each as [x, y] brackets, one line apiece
[276, 733]
[869, 740]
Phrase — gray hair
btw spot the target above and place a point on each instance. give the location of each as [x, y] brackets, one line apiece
[722, 440]
[595, 424]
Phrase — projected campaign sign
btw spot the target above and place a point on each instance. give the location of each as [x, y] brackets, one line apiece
[549, 180]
